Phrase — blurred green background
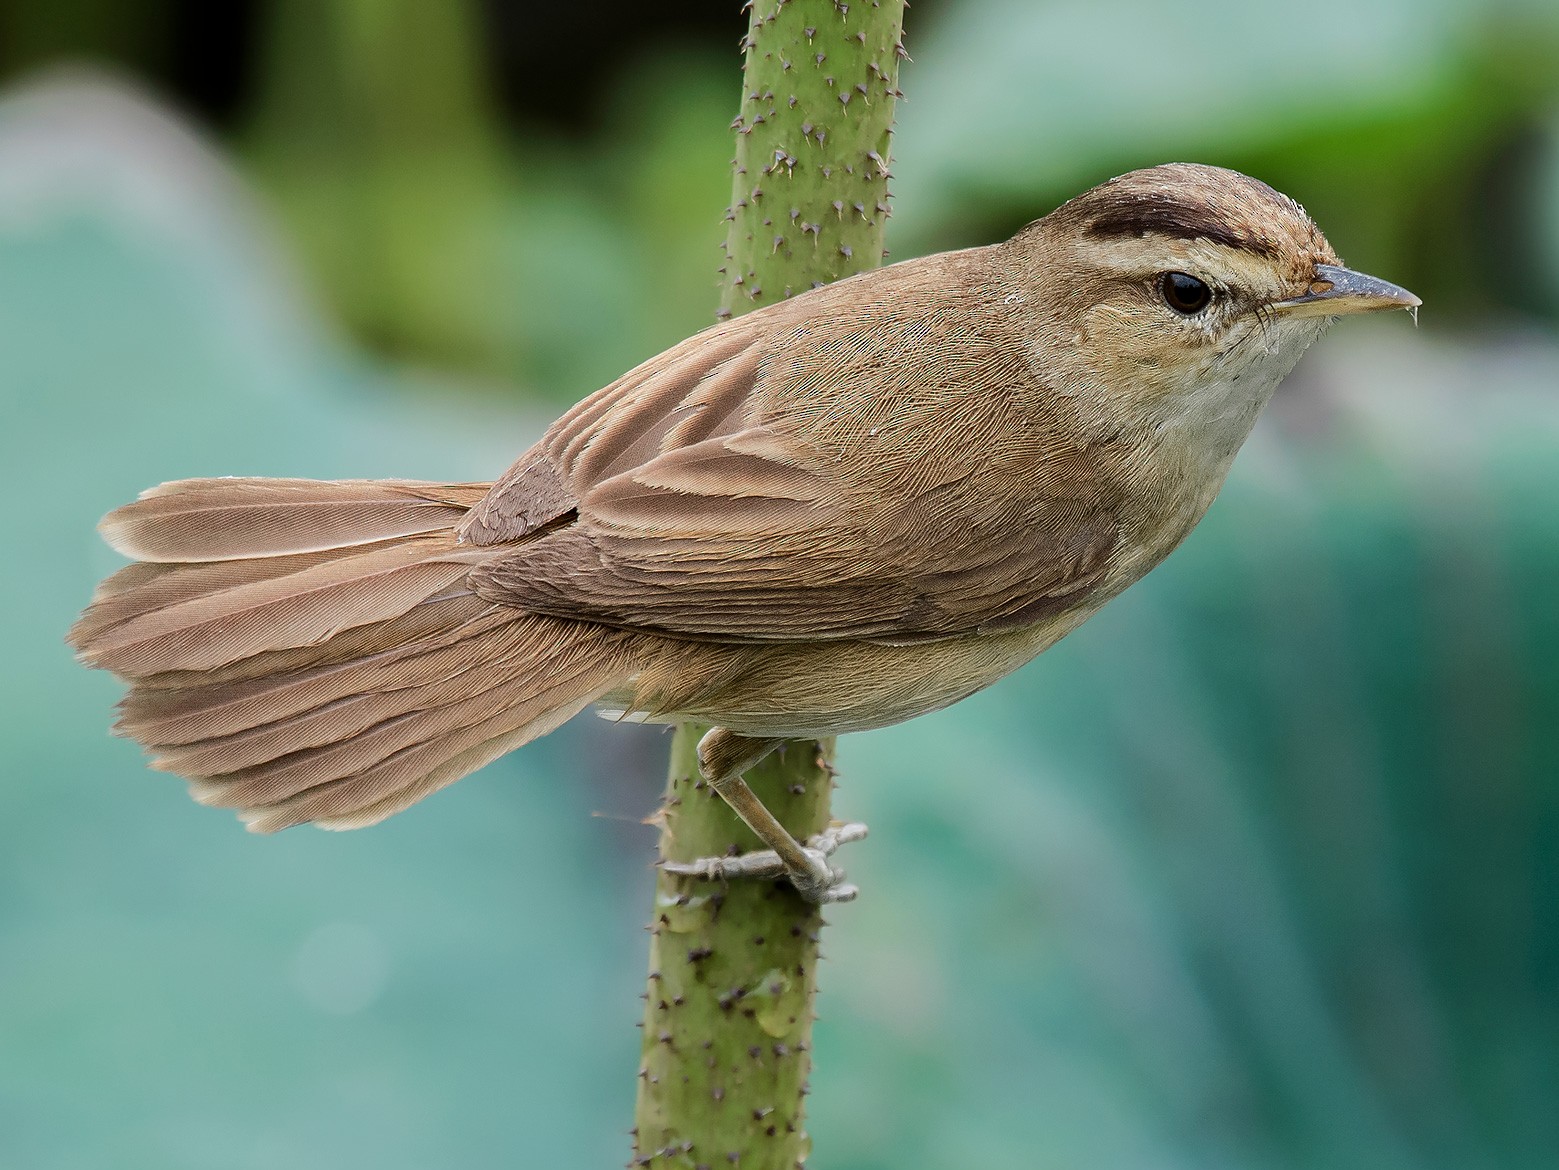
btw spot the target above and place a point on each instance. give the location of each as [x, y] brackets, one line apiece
[1259, 869]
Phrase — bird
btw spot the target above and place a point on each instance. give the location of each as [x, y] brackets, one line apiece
[837, 512]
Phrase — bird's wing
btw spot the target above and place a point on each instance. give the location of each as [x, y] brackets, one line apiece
[807, 472]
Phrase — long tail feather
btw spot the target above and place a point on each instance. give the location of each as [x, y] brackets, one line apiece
[277, 613]
[308, 651]
[236, 519]
[145, 586]
[345, 708]
[208, 710]
[339, 781]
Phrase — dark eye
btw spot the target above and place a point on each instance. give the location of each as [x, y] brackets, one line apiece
[1183, 293]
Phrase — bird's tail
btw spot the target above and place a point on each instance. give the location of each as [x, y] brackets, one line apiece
[304, 650]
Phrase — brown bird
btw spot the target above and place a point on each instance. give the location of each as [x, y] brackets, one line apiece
[835, 513]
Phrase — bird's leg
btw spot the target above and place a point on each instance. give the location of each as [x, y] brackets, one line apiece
[722, 758]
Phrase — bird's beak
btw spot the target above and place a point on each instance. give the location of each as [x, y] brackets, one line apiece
[1336, 291]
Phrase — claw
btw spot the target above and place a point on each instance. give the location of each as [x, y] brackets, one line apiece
[821, 883]
[837, 834]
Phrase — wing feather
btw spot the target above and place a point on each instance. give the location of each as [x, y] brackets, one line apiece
[802, 474]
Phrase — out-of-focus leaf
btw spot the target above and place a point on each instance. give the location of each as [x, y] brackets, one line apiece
[1397, 124]
[174, 992]
[1257, 868]
[376, 138]
[1014, 97]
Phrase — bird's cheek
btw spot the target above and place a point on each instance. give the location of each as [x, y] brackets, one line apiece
[1116, 347]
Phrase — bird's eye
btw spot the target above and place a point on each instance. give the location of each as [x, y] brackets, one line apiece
[1184, 294]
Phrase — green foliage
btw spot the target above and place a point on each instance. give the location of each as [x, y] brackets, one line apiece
[1404, 126]
[1256, 870]
[1421, 134]
[374, 133]
[175, 993]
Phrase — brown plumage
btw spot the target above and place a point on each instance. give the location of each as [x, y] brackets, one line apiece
[834, 513]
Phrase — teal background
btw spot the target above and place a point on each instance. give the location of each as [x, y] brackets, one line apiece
[1259, 869]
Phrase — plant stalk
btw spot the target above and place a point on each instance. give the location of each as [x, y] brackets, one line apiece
[733, 967]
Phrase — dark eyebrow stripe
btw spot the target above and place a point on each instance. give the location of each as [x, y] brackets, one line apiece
[1137, 217]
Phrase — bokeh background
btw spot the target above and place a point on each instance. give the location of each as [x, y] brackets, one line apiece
[1260, 869]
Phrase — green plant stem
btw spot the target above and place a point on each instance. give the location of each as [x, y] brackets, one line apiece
[810, 199]
[733, 967]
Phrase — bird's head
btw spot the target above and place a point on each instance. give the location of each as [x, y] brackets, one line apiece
[1186, 292]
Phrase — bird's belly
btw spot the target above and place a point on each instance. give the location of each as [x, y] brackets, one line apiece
[829, 688]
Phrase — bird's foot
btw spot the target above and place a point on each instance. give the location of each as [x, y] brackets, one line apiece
[816, 878]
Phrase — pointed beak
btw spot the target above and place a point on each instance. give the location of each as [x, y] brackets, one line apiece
[1336, 291]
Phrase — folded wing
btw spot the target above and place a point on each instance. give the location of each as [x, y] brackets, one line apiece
[803, 477]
